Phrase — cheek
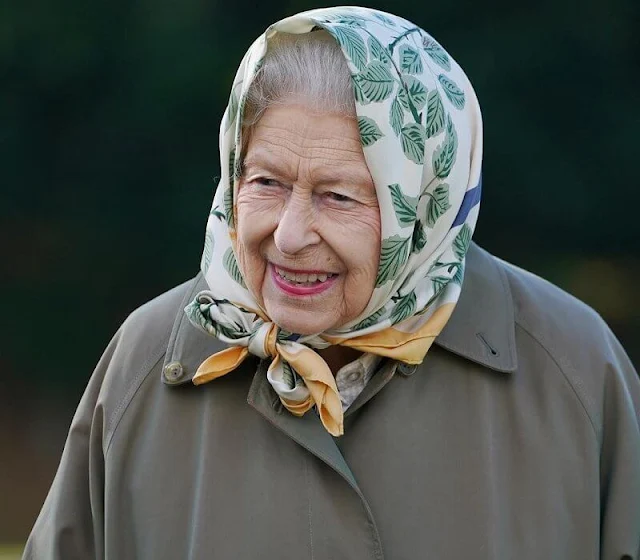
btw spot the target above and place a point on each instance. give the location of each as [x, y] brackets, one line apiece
[256, 218]
[356, 239]
[256, 212]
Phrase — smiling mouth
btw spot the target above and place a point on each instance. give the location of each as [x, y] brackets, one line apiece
[302, 284]
[303, 278]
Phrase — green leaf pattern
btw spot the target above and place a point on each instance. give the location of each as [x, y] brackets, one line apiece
[378, 52]
[435, 114]
[416, 93]
[439, 283]
[459, 275]
[289, 375]
[370, 320]
[376, 81]
[369, 131]
[410, 60]
[462, 241]
[405, 307]
[438, 203]
[452, 91]
[396, 116]
[419, 237]
[436, 52]
[209, 243]
[231, 266]
[412, 137]
[352, 44]
[232, 108]
[445, 155]
[393, 256]
[404, 206]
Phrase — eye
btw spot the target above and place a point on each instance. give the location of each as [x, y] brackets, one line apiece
[266, 182]
[337, 197]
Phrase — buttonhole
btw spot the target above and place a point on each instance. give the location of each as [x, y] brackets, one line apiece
[491, 349]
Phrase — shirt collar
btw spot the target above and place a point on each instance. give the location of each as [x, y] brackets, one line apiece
[481, 329]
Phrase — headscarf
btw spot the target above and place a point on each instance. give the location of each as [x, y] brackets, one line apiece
[421, 132]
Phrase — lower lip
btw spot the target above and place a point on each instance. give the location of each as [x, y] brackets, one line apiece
[295, 290]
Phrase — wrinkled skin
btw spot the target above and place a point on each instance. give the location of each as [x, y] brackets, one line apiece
[306, 202]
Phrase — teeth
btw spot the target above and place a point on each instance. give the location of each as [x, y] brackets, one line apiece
[303, 278]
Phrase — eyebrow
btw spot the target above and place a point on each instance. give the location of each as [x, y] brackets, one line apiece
[265, 159]
[268, 161]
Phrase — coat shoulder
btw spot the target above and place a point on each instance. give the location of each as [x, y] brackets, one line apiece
[549, 312]
[137, 352]
[573, 335]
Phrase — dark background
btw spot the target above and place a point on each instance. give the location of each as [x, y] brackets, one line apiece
[109, 116]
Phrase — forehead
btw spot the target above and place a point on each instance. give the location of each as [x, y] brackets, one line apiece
[290, 137]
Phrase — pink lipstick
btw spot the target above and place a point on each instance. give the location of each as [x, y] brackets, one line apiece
[313, 282]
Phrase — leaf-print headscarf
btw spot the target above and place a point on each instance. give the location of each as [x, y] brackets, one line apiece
[421, 133]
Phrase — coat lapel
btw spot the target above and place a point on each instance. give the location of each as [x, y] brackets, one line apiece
[306, 430]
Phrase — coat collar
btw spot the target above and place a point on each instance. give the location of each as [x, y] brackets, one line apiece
[481, 329]
[482, 326]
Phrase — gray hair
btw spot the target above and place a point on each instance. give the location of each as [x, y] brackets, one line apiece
[309, 68]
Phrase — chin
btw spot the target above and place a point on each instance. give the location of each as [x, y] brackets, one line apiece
[304, 323]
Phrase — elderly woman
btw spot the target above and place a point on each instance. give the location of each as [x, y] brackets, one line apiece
[288, 402]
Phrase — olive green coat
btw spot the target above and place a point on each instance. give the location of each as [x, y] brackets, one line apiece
[517, 438]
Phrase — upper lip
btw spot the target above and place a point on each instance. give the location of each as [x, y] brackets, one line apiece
[300, 271]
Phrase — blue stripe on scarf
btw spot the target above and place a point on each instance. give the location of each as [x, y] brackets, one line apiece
[471, 198]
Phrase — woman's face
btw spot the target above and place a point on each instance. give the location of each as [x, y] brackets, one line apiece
[308, 221]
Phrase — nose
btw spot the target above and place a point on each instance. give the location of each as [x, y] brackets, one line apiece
[296, 229]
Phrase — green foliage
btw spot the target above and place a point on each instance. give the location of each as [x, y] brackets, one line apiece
[393, 255]
[412, 140]
[438, 203]
[396, 116]
[370, 320]
[453, 92]
[405, 307]
[459, 275]
[435, 114]
[404, 206]
[378, 52]
[419, 237]
[369, 131]
[416, 93]
[288, 374]
[439, 282]
[231, 266]
[232, 108]
[462, 241]
[437, 53]
[410, 60]
[375, 81]
[208, 251]
[445, 155]
[352, 44]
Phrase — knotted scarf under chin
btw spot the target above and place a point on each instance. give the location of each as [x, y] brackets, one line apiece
[298, 374]
[300, 377]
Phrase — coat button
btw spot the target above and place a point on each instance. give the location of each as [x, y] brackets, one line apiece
[407, 369]
[173, 372]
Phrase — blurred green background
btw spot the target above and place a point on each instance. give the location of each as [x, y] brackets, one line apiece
[109, 121]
